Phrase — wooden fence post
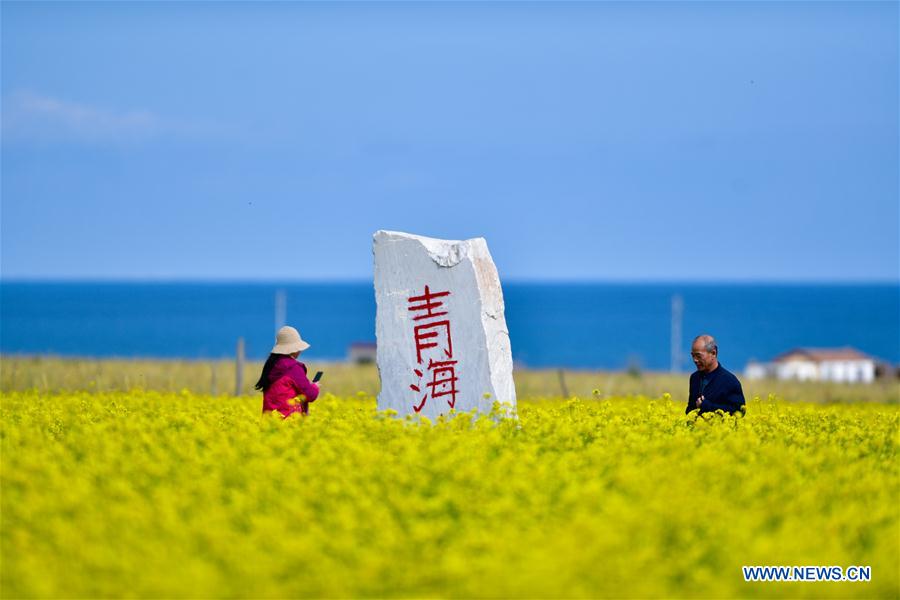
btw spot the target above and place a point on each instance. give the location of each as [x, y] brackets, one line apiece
[562, 383]
[239, 368]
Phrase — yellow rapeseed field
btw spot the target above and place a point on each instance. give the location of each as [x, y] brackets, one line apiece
[149, 494]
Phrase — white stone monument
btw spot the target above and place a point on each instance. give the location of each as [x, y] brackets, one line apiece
[442, 337]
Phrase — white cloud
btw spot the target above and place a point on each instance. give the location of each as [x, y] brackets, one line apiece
[29, 115]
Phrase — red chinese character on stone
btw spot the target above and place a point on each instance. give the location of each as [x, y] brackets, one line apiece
[428, 304]
[426, 336]
[443, 380]
[430, 335]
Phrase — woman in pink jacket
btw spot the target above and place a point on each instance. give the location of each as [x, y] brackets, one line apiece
[283, 382]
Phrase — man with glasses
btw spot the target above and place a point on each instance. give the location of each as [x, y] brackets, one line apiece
[712, 387]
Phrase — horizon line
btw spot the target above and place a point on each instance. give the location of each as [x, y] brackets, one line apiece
[510, 280]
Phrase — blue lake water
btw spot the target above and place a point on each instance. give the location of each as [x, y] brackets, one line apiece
[606, 326]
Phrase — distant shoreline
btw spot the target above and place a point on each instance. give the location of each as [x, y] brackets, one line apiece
[54, 356]
[584, 325]
[505, 282]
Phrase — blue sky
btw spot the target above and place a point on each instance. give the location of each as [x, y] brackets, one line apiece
[585, 141]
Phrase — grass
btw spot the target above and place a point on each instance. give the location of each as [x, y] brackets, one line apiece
[54, 374]
[130, 478]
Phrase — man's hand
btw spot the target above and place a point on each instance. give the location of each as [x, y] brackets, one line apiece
[699, 401]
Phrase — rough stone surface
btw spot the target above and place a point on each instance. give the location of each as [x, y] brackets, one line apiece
[442, 350]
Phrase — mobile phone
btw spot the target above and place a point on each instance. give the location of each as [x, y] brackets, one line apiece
[318, 376]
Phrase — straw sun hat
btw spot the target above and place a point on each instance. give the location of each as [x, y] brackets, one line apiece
[288, 341]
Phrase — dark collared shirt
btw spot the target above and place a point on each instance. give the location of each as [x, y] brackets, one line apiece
[720, 389]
